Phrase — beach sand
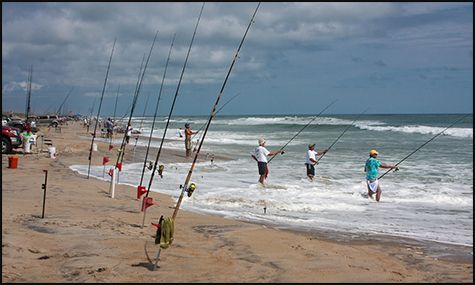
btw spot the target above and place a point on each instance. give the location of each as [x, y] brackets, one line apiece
[86, 236]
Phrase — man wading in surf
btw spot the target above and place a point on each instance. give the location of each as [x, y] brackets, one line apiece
[371, 168]
[260, 155]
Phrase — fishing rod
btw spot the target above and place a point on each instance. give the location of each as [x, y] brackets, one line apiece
[143, 117]
[202, 126]
[99, 109]
[156, 111]
[64, 101]
[282, 148]
[28, 95]
[173, 105]
[113, 116]
[346, 129]
[122, 148]
[188, 177]
[423, 145]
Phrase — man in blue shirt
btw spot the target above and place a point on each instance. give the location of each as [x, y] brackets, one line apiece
[371, 168]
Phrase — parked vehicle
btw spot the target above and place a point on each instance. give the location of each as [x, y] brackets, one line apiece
[10, 139]
[21, 125]
[48, 120]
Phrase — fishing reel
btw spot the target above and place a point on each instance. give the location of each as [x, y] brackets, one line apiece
[161, 167]
[190, 189]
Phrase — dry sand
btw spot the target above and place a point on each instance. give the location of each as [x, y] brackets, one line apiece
[86, 236]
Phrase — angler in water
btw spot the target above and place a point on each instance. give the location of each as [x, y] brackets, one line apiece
[311, 160]
[371, 168]
[260, 155]
[188, 134]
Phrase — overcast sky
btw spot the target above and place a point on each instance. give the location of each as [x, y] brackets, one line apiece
[296, 58]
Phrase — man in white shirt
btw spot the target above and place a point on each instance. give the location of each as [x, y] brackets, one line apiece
[260, 155]
[311, 160]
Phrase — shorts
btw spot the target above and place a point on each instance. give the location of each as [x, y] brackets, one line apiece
[310, 169]
[188, 144]
[262, 166]
[373, 185]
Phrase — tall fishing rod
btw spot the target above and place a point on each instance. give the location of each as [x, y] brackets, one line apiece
[423, 145]
[282, 148]
[28, 94]
[202, 126]
[156, 111]
[64, 101]
[113, 116]
[188, 177]
[346, 129]
[122, 152]
[99, 109]
[173, 105]
[143, 117]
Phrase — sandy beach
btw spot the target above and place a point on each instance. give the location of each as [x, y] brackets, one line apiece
[86, 236]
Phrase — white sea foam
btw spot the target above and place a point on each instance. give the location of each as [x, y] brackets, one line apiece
[456, 132]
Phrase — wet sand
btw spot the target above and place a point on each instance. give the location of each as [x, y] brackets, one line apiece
[86, 236]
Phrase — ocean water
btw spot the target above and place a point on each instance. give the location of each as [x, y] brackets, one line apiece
[429, 199]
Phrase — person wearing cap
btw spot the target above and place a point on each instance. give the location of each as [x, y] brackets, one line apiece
[188, 134]
[311, 160]
[260, 155]
[371, 168]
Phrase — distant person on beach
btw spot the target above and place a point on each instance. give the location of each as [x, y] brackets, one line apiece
[180, 133]
[260, 155]
[311, 160]
[188, 134]
[109, 127]
[128, 133]
[371, 168]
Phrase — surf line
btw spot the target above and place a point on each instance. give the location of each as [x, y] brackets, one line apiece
[346, 129]
[202, 126]
[396, 169]
[99, 109]
[121, 151]
[140, 188]
[169, 117]
[186, 185]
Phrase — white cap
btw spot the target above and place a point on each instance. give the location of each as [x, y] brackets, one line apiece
[262, 141]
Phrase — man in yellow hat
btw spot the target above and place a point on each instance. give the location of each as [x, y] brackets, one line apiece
[371, 168]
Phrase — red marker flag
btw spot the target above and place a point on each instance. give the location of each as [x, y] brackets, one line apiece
[147, 202]
[105, 160]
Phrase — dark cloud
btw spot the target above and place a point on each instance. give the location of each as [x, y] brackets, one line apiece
[291, 44]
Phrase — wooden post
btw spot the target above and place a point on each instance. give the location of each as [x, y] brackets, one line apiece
[43, 186]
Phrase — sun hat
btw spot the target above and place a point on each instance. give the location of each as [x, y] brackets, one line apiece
[311, 145]
[262, 141]
[187, 125]
[372, 152]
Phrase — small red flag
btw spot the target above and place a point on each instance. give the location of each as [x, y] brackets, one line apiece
[105, 160]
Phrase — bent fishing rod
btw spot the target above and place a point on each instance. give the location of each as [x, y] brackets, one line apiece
[314, 118]
[122, 152]
[64, 101]
[190, 172]
[172, 106]
[156, 111]
[99, 109]
[423, 145]
[346, 129]
[202, 126]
